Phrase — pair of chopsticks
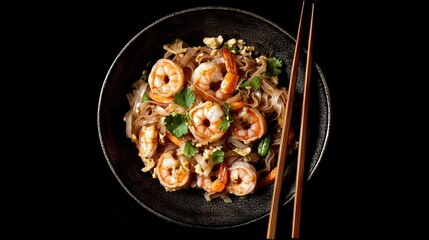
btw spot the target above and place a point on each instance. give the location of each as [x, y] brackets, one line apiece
[272, 222]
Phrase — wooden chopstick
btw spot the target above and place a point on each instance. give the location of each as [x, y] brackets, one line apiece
[272, 222]
[303, 135]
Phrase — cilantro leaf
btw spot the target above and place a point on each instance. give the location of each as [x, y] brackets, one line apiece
[185, 98]
[189, 119]
[226, 109]
[190, 150]
[175, 124]
[224, 124]
[273, 66]
[145, 97]
[217, 156]
[254, 83]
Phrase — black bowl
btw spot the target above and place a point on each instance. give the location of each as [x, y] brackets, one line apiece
[189, 207]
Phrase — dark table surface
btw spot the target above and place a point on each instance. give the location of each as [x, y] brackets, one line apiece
[336, 202]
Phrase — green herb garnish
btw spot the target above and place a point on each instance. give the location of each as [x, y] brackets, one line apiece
[226, 122]
[176, 124]
[185, 97]
[217, 156]
[254, 83]
[273, 66]
[145, 97]
[190, 151]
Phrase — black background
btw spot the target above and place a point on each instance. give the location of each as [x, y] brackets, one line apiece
[57, 183]
[345, 198]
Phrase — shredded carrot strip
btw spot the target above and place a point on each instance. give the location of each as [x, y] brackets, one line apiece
[174, 139]
[236, 105]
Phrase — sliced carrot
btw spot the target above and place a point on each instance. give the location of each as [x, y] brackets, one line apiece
[269, 178]
[236, 105]
[174, 139]
[272, 175]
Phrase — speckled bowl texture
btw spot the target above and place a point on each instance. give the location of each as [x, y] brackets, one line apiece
[189, 207]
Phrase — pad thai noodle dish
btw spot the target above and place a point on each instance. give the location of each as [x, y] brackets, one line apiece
[209, 117]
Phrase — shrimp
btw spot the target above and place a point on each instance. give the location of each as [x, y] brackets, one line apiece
[249, 124]
[173, 173]
[166, 78]
[206, 118]
[242, 178]
[214, 186]
[208, 75]
[148, 141]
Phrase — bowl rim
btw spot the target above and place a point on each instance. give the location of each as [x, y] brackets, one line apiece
[196, 9]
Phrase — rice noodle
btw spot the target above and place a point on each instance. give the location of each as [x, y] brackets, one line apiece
[203, 159]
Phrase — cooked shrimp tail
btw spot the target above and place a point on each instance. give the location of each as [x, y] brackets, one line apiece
[208, 75]
[219, 184]
[230, 80]
[230, 64]
[222, 179]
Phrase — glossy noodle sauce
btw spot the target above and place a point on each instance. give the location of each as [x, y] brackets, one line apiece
[209, 117]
